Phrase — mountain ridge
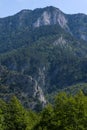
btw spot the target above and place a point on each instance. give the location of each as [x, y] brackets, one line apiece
[54, 7]
[45, 16]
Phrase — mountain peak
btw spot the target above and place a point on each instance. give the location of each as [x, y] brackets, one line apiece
[53, 8]
[50, 16]
[48, 8]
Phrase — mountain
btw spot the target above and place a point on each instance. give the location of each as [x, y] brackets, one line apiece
[26, 22]
[41, 52]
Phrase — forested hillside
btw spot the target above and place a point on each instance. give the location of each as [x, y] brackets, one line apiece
[42, 52]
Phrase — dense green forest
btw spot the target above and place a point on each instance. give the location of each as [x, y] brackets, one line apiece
[67, 113]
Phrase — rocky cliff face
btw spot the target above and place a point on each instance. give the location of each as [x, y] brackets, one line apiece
[55, 16]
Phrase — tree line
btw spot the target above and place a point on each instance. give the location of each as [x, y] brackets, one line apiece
[67, 113]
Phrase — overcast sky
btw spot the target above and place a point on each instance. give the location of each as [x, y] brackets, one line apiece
[10, 7]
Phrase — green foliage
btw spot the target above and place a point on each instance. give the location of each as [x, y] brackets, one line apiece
[17, 118]
[1, 120]
[68, 113]
[13, 116]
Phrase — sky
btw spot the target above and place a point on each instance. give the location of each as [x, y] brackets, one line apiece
[10, 7]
